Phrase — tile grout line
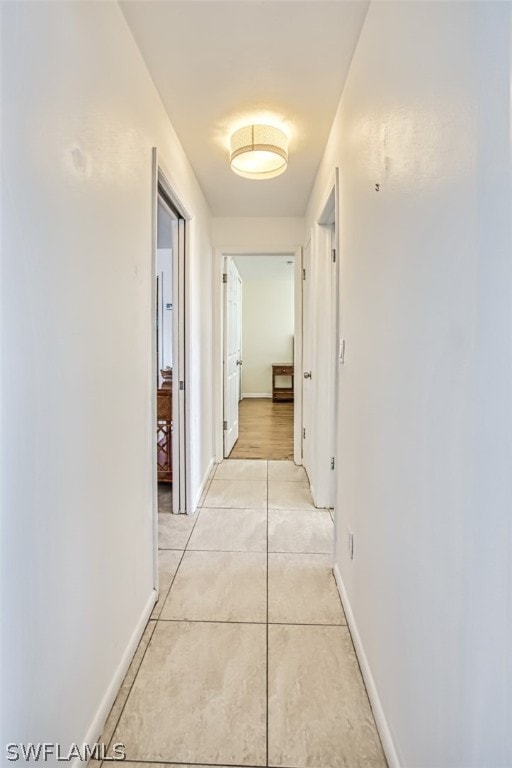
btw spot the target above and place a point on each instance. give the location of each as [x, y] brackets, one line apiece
[210, 480]
[267, 623]
[179, 565]
[156, 619]
[180, 562]
[199, 765]
[175, 572]
[196, 765]
[235, 551]
[363, 682]
[131, 688]
[250, 551]
[251, 623]
[298, 552]
[214, 621]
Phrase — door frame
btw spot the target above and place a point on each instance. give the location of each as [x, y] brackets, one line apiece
[327, 231]
[218, 340]
[177, 341]
[181, 334]
[225, 355]
[323, 482]
[307, 252]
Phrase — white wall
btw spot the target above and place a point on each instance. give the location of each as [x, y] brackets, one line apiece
[80, 116]
[262, 234]
[164, 272]
[425, 407]
[267, 331]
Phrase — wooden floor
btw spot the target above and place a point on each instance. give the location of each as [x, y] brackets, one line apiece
[265, 430]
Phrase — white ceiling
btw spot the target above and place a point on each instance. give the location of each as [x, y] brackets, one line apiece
[219, 65]
[271, 267]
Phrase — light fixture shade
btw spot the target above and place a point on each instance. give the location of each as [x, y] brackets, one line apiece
[259, 152]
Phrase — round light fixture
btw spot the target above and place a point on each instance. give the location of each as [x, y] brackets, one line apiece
[259, 152]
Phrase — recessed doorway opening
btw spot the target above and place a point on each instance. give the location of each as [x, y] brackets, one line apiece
[165, 317]
[169, 343]
[260, 349]
[169, 361]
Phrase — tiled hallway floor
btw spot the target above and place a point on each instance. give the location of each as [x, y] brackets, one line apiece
[247, 659]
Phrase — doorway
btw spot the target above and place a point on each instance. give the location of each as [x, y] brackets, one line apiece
[233, 322]
[169, 348]
[167, 436]
[261, 346]
[320, 352]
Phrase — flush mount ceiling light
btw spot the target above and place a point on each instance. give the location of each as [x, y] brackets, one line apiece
[259, 152]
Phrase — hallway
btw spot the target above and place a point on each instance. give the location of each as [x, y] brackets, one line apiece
[393, 202]
[247, 659]
[265, 430]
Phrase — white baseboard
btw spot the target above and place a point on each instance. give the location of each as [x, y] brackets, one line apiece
[386, 738]
[204, 483]
[96, 728]
[256, 394]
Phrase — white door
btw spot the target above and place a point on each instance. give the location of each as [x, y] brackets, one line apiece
[308, 324]
[232, 352]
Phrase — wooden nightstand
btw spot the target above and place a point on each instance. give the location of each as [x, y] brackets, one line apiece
[282, 393]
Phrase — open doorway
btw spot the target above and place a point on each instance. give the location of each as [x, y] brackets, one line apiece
[169, 349]
[260, 351]
[167, 247]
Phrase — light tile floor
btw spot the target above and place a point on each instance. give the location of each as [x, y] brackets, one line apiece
[247, 659]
